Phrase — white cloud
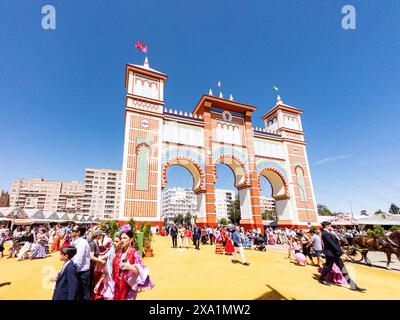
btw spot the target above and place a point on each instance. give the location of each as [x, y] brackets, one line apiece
[331, 159]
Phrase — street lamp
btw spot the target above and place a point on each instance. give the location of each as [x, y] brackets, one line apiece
[306, 207]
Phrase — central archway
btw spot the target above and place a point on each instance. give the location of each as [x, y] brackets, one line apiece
[238, 168]
[241, 181]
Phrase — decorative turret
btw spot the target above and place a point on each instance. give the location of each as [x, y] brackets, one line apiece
[285, 120]
[143, 81]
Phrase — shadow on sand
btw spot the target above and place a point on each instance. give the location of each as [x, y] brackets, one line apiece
[272, 295]
[5, 284]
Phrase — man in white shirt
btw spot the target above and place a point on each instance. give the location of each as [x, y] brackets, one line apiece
[82, 261]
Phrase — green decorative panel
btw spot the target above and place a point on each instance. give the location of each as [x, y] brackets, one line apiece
[300, 181]
[142, 176]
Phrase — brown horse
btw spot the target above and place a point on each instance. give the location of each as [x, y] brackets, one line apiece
[389, 246]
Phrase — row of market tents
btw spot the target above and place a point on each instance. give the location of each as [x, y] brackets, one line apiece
[383, 219]
[31, 216]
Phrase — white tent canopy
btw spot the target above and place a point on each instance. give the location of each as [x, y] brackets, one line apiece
[383, 219]
[35, 214]
[52, 216]
[14, 213]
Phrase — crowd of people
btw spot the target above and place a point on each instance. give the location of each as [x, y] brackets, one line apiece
[100, 265]
[229, 240]
[305, 247]
[96, 264]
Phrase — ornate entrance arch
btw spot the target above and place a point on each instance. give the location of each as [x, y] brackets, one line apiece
[190, 164]
[238, 167]
[216, 131]
[279, 185]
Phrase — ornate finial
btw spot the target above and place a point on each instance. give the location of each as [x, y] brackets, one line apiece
[146, 63]
[220, 95]
[279, 100]
[231, 97]
[210, 92]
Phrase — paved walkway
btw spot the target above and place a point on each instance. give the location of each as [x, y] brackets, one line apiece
[191, 274]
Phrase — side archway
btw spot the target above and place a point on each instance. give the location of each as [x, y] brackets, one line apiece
[190, 164]
[279, 184]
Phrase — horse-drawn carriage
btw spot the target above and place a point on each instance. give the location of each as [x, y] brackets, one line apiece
[358, 247]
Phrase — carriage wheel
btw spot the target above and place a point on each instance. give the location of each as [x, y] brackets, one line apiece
[354, 254]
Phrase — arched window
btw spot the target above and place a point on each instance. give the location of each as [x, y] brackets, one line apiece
[301, 184]
[142, 167]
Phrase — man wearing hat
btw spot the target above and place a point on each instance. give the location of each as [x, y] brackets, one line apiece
[97, 235]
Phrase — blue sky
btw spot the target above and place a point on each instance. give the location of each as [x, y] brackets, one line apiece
[62, 91]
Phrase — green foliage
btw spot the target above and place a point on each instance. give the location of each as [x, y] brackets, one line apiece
[234, 213]
[141, 226]
[313, 228]
[132, 223]
[377, 232]
[323, 210]
[394, 209]
[378, 212]
[395, 228]
[147, 236]
[269, 214]
[188, 218]
[178, 219]
[111, 225]
[223, 221]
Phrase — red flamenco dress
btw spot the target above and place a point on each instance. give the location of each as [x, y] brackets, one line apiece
[128, 284]
[229, 245]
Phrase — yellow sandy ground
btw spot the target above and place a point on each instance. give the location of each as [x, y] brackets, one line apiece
[191, 274]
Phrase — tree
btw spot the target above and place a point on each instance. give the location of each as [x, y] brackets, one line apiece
[178, 219]
[378, 212]
[111, 226]
[188, 218]
[363, 212]
[223, 221]
[269, 214]
[394, 209]
[132, 223]
[234, 212]
[377, 231]
[323, 210]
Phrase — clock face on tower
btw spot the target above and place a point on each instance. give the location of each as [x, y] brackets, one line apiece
[227, 116]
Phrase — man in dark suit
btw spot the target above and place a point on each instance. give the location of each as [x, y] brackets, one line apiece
[174, 235]
[333, 253]
[196, 237]
[67, 279]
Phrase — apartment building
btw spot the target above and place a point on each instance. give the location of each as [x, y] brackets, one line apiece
[267, 204]
[178, 201]
[223, 202]
[46, 195]
[102, 189]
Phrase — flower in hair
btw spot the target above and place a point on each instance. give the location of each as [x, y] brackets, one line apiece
[125, 228]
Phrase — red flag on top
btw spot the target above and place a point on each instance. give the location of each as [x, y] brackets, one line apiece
[141, 46]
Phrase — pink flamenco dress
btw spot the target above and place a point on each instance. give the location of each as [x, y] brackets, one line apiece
[127, 284]
[335, 275]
